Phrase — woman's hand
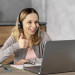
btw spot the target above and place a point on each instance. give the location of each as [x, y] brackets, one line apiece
[23, 43]
[21, 62]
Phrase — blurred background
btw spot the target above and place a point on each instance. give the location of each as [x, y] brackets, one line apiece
[57, 15]
[9, 10]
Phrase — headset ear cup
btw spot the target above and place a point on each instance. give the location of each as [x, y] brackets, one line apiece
[20, 25]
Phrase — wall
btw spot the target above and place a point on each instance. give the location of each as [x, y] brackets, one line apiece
[40, 6]
[61, 19]
[9, 9]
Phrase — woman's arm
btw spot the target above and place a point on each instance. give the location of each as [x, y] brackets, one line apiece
[9, 47]
[45, 38]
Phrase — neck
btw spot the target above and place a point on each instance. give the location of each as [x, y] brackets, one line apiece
[27, 36]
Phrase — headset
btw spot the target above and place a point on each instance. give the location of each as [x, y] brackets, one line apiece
[19, 23]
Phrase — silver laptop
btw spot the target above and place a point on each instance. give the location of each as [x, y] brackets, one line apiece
[59, 57]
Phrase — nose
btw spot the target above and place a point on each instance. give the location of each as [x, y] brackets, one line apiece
[34, 25]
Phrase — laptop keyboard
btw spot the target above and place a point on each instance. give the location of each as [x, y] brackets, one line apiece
[35, 69]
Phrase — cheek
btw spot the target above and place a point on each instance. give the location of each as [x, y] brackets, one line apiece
[25, 27]
[38, 26]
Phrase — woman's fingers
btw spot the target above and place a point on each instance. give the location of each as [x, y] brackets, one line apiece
[23, 43]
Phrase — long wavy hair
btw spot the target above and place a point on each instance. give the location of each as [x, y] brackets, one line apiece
[16, 31]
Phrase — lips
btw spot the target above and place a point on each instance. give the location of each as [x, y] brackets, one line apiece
[32, 30]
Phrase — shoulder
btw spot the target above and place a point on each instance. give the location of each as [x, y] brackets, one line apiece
[10, 40]
[43, 33]
[45, 37]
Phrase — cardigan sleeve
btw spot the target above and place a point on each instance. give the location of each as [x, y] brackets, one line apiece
[9, 47]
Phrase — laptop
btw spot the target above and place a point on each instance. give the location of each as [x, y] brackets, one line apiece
[59, 57]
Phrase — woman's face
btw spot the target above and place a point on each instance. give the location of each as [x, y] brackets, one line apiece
[30, 24]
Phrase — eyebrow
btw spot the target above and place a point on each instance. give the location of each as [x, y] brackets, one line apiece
[35, 20]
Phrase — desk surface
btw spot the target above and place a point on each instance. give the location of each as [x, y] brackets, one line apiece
[23, 72]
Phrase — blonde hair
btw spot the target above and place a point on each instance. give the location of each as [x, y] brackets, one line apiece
[16, 31]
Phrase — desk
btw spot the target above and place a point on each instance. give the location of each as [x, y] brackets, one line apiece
[23, 72]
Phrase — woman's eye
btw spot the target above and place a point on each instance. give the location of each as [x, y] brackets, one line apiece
[29, 22]
[37, 22]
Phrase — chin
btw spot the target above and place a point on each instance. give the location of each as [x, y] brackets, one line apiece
[32, 33]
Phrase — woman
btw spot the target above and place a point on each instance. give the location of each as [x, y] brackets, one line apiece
[26, 41]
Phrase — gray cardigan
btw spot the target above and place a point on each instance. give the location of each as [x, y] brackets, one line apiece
[11, 46]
